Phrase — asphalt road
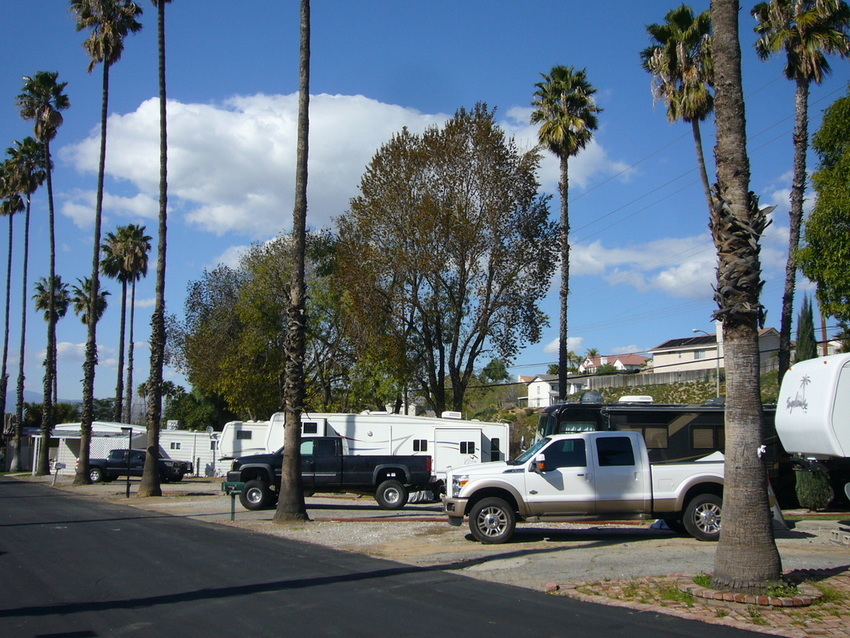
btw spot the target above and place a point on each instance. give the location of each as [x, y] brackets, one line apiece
[78, 568]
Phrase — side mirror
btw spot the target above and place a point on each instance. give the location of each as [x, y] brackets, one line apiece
[539, 464]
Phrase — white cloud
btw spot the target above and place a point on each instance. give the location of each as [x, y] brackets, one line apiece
[676, 266]
[590, 163]
[574, 344]
[231, 165]
[68, 353]
[146, 303]
[230, 257]
[79, 206]
[627, 349]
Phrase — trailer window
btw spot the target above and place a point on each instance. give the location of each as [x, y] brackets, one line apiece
[175, 445]
[467, 447]
[707, 438]
[614, 451]
[242, 435]
[494, 450]
[655, 437]
[310, 427]
[420, 445]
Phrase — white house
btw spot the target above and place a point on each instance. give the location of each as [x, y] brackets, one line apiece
[543, 390]
[705, 352]
[621, 363]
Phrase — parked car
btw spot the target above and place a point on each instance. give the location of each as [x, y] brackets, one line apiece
[116, 464]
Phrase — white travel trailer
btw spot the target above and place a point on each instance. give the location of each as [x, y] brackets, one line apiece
[241, 438]
[451, 442]
[813, 410]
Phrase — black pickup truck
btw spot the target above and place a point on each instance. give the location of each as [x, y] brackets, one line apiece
[324, 468]
[116, 464]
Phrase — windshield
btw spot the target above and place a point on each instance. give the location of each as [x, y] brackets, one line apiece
[530, 452]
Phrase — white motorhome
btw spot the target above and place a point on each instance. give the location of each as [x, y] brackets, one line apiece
[451, 442]
[813, 410]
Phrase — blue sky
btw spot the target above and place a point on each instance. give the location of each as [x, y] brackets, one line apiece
[643, 261]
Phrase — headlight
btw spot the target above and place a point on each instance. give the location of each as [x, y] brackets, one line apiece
[458, 483]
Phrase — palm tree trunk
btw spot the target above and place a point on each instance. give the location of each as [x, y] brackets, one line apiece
[87, 417]
[19, 408]
[149, 485]
[746, 559]
[703, 173]
[795, 219]
[291, 506]
[43, 467]
[117, 410]
[4, 378]
[564, 188]
[128, 407]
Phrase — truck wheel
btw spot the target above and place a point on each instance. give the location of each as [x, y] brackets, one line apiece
[95, 474]
[702, 517]
[391, 495]
[178, 477]
[256, 495]
[492, 521]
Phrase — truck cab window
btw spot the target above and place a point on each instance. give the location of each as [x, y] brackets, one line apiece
[569, 453]
[614, 450]
[324, 447]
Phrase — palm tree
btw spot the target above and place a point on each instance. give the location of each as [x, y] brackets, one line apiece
[807, 30]
[291, 506]
[109, 21]
[42, 100]
[125, 258]
[746, 559]
[81, 300]
[53, 301]
[27, 168]
[10, 204]
[679, 60]
[150, 478]
[59, 292]
[135, 248]
[566, 111]
[112, 266]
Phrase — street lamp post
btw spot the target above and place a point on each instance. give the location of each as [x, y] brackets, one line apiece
[129, 433]
[716, 358]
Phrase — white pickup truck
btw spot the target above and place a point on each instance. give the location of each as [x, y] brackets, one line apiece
[586, 476]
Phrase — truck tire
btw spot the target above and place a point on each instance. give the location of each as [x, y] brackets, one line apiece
[391, 495]
[492, 521]
[256, 495]
[702, 517]
[95, 474]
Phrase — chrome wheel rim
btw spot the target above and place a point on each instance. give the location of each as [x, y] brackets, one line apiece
[492, 521]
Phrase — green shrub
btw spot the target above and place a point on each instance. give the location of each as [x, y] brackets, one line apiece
[813, 490]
